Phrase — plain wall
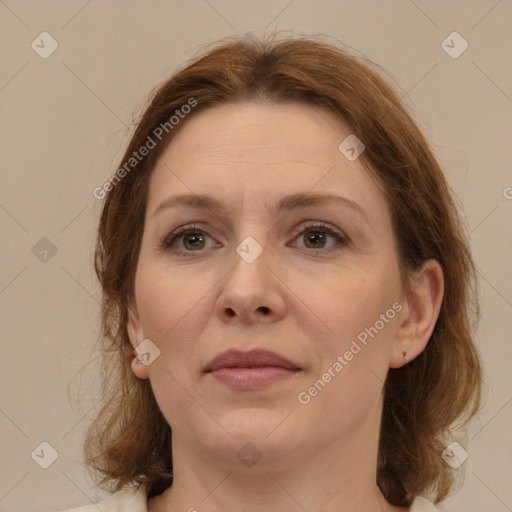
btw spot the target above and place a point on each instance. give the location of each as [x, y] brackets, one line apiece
[65, 123]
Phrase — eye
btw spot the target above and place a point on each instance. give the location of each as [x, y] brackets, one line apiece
[187, 238]
[316, 235]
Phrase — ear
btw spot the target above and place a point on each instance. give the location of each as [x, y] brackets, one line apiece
[136, 335]
[419, 315]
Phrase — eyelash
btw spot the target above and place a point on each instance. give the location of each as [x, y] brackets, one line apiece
[308, 226]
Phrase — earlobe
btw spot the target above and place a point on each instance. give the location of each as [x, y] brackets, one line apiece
[419, 315]
[139, 369]
[136, 336]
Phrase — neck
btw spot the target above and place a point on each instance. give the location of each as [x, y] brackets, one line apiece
[348, 485]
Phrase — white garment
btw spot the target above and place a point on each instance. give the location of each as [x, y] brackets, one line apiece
[131, 500]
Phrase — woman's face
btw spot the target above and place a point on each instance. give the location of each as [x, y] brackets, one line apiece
[292, 252]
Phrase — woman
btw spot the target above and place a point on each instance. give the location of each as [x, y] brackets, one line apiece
[287, 290]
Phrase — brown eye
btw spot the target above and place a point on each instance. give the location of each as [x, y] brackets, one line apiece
[193, 241]
[315, 239]
[187, 239]
[321, 237]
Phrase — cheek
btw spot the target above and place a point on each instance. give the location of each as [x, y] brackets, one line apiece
[174, 308]
[360, 309]
[172, 311]
[354, 356]
[168, 303]
[351, 305]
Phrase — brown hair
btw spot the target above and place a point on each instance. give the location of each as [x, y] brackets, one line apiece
[130, 441]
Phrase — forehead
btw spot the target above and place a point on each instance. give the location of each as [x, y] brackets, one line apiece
[262, 131]
[257, 150]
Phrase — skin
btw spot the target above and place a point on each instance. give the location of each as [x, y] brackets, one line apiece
[305, 300]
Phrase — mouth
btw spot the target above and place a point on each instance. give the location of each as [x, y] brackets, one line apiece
[250, 370]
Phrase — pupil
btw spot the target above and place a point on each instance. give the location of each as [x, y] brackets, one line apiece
[317, 237]
[193, 239]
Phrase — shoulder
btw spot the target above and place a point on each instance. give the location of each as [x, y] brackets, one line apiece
[129, 498]
[136, 500]
[421, 504]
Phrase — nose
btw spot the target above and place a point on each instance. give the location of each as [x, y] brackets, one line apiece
[251, 293]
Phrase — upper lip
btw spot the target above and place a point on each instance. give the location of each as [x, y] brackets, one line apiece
[253, 359]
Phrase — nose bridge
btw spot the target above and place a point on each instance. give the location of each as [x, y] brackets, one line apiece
[250, 262]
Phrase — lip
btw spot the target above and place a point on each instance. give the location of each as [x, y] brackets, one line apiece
[250, 370]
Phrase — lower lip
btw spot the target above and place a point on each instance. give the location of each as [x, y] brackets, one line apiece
[252, 378]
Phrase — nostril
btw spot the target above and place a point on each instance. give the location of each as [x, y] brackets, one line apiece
[264, 310]
[230, 312]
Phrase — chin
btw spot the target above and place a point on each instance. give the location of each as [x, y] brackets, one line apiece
[256, 423]
[255, 439]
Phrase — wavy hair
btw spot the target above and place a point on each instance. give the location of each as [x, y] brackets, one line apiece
[129, 442]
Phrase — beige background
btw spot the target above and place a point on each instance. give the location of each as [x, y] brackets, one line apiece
[66, 120]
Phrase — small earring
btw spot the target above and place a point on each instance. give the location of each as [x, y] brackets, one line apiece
[404, 353]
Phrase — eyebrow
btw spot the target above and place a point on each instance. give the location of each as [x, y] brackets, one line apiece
[286, 203]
